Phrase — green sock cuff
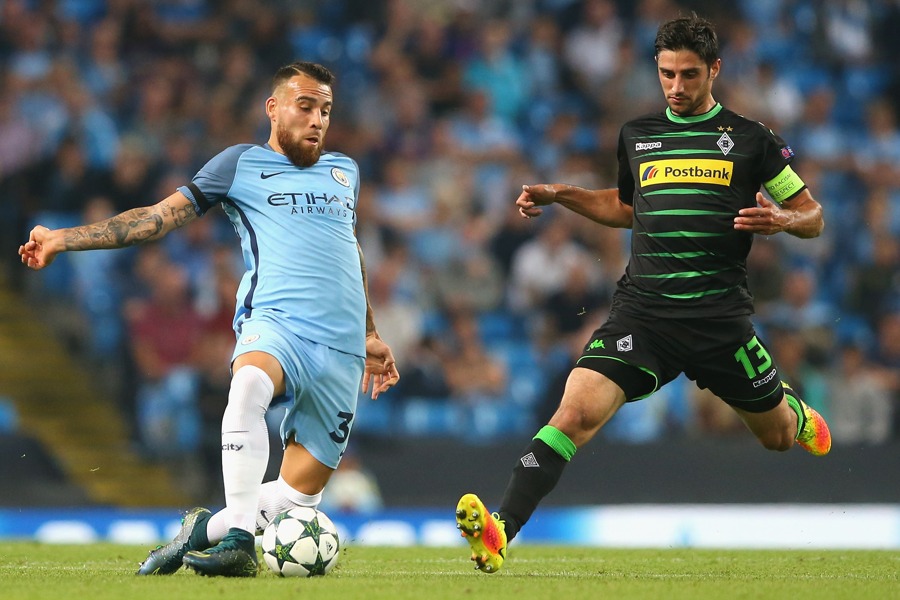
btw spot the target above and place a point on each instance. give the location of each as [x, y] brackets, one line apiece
[557, 440]
[794, 403]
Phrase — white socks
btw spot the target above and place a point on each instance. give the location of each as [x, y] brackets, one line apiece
[245, 445]
[276, 497]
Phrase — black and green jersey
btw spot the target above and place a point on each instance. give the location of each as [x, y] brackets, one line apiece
[687, 178]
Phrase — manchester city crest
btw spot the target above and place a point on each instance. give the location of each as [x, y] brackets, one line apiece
[340, 177]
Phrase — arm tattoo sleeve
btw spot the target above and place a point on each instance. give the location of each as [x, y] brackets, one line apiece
[131, 227]
[181, 216]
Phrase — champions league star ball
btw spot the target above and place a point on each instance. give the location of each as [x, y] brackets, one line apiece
[301, 542]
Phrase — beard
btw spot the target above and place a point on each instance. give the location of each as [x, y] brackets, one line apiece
[297, 153]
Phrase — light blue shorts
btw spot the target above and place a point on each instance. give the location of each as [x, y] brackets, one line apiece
[322, 387]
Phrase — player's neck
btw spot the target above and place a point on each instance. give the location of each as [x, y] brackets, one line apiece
[707, 105]
[274, 145]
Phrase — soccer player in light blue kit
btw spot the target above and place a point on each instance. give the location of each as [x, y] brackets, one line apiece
[305, 330]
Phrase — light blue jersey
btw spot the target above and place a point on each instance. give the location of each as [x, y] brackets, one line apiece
[296, 229]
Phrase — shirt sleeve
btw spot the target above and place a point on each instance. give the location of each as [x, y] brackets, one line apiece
[626, 179]
[212, 183]
[777, 176]
[355, 192]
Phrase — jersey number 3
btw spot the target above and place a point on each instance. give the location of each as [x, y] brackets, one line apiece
[340, 436]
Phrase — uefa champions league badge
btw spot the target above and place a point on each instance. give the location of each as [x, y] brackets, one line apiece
[340, 177]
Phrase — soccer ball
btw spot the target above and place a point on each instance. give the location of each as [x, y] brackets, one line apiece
[301, 542]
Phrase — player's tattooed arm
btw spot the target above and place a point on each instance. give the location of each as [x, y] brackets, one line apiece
[126, 229]
[133, 226]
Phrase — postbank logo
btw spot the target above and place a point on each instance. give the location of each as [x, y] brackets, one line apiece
[686, 170]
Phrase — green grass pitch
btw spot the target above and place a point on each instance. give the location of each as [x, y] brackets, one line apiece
[104, 571]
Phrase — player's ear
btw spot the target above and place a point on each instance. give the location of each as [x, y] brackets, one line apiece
[271, 105]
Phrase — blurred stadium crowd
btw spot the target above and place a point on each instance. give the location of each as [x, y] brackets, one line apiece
[448, 106]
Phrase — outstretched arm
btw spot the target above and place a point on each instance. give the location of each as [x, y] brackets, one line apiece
[601, 206]
[380, 370]
[131, 227]
[801, 216]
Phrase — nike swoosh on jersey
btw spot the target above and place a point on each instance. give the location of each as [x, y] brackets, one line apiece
[267, 175]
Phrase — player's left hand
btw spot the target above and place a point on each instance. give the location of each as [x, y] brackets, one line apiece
[765, 219]
[381, 370]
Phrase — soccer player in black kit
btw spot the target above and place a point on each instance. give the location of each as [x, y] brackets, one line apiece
[689, 188]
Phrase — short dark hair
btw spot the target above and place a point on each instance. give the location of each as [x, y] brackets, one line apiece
[692, 33]
[314, 70]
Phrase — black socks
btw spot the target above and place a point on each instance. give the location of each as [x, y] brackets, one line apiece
[534, 476]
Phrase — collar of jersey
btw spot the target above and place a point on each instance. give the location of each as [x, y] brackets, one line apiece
[696, 118]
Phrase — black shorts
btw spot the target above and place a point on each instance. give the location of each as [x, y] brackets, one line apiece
[724, 355]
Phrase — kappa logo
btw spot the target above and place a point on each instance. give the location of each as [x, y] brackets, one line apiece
[625, 344]
[596, 344]
[529, 460]
[647, 146]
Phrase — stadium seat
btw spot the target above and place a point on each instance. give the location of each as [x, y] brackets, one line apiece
[430, 416]
[498, 326]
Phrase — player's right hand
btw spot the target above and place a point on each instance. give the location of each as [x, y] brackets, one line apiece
[533, 197]
[38, 252]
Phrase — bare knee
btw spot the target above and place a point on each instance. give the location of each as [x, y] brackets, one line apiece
[588, 403]
[577, 420]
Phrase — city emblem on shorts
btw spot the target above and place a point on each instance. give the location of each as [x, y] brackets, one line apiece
[725, 144]
[250, 339]
[624, 344]
[340, 177]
